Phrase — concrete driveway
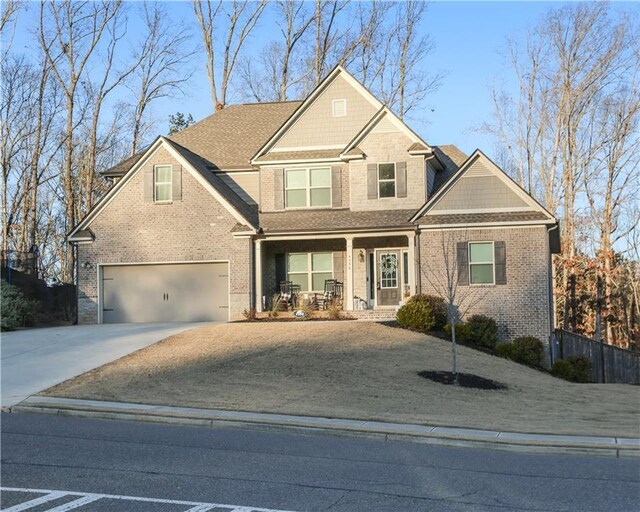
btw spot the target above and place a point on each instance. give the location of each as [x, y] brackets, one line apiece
[35, 359]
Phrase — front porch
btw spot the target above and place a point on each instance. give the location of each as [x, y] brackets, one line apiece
[373, 271]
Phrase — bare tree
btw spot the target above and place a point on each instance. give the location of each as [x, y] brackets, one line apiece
[69, 34]
[163, 67]
[241, 17]
[442, 278]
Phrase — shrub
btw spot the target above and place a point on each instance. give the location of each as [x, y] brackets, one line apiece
[574, 369]
[334, 312]
[463, 331]
[250, 314]
[484, 331]
[416, 315]
[506, 350]
[437, 305]
[528, 350]
[16, 309]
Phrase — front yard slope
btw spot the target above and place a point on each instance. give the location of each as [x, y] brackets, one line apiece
[356, 370]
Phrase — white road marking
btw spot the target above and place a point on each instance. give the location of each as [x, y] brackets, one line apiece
[76, 503]
[52, 495]
[91, 497]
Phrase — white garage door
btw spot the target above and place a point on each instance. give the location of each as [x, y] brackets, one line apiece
[193, 292]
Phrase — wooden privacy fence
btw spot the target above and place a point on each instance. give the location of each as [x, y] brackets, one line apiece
[609, 364]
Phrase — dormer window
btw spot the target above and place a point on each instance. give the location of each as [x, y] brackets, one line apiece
[339, 108]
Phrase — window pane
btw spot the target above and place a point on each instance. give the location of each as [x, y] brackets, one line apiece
[321, 197]
[163, 192]
[387, 171]
[321, 261]
[387, 189]
[296, 178]
[481, 252]
[296, 198]
[163, 174]
[389, 270]
[298, 262]
[482, 274]
[320, 177]
[302, 280]
[319, 279]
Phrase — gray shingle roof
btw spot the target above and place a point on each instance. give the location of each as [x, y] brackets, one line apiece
[475, 218]
[228, 138]
[331, 220]
[249, 212]
[452, 158]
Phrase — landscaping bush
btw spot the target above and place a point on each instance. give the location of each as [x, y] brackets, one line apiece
[416, 315]
[463, 331]
[574, 369]
[16, 310]
[484, 331]
[524, 350]
[437, 305]
[506, 350]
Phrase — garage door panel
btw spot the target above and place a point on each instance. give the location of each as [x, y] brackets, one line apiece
[165, 293]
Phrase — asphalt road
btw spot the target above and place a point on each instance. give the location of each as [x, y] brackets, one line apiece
[205, 469]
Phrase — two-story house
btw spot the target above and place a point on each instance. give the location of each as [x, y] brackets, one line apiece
[209, 222]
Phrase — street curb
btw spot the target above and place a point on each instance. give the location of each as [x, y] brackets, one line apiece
[388, 432]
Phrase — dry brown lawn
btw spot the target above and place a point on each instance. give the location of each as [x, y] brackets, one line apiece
[357, 370]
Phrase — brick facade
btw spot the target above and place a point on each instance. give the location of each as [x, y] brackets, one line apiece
[521, 307]
[132, 230]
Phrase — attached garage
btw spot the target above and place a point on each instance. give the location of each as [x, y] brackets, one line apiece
[171, 292]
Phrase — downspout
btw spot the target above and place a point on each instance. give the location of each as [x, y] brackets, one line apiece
[553, 346]
[252, 274]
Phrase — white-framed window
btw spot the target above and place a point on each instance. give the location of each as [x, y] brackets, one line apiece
[309, 270]
[162, 184]
[387, 180]
[306, 188]
[481, 263]
[339, 108]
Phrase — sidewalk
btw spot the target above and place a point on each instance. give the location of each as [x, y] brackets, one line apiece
[216, 418]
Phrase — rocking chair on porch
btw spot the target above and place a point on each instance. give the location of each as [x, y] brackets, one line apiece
[332, 294]
[288, 295]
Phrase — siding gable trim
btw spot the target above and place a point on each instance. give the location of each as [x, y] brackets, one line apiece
[320, 88]
[532, 203]
[159, 142]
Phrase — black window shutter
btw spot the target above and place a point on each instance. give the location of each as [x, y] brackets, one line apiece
[336, 186]
[278, 192]
[372, 181]
[281, 269]
[500, 260]
[401, 179]
[463, 263]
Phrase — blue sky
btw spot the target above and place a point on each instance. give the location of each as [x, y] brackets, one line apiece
[470, 38]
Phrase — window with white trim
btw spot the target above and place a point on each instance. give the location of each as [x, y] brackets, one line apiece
[481, 263]
[162, 184]
[339, 108]
[387, 180]
[306, 188]
[310, 270]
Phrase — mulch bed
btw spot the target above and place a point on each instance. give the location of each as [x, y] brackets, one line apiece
[465, 380]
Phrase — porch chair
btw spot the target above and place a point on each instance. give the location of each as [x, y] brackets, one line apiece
[288, 295]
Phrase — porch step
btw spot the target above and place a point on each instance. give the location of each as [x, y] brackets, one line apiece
[374, 314]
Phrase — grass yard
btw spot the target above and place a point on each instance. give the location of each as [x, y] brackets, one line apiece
[359, 370]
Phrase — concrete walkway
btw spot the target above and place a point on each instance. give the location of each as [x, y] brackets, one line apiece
[544, 443]
[35, 359]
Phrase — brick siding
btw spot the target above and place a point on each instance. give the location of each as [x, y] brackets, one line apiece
[132, 230]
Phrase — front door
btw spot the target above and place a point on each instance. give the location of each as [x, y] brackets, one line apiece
[388, 275]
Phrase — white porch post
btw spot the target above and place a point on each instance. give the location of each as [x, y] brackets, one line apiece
[258, 274]
[411, 250]
[348, 285]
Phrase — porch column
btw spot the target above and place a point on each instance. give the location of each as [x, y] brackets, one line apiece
[348, 285]
[413, 264]
[258, 274]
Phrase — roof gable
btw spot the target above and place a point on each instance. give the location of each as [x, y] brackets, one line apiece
[313, 125]
[192, 163]
[480, 187]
